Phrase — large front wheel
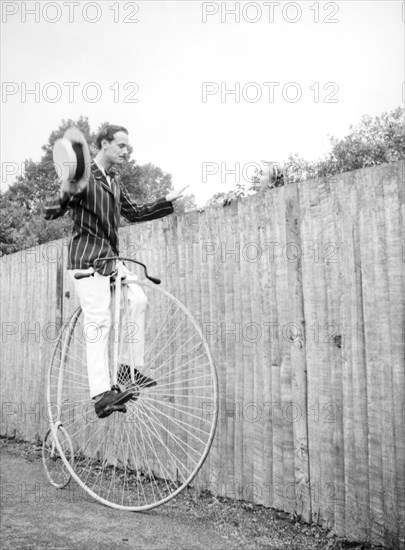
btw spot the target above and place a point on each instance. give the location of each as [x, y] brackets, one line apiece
[142, 458]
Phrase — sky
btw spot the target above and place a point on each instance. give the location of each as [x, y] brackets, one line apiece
[165, 70]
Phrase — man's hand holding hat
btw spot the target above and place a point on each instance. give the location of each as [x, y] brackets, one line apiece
[67, 190]
[71, 156]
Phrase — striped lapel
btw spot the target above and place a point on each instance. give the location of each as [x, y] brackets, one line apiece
[117, 207]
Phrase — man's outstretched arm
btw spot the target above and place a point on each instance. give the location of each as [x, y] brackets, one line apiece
[150, 211]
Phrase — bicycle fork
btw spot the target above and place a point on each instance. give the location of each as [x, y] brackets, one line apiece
[117, 322]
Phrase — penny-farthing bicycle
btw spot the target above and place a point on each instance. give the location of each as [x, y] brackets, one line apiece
[142, 458]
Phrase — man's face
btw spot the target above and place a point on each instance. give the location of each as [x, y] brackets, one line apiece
[116, 151]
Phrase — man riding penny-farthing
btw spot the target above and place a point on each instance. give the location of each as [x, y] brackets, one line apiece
[132, 388]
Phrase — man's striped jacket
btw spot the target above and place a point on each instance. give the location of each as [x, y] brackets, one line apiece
[96, 212]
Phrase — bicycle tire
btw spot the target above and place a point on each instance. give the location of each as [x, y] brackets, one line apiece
[55, 468]
[145, 457]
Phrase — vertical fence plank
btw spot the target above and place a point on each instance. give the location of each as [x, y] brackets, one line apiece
[393, 189]
[281, 429]
[231, 334]
[311, 212]
[350, 331]
[6, 363]
[337, 255]
[299, 394]
[333, 485]
[259, 341]
[249, 319]
[368, 257]
[218, 301]
[384, 365]
[271, 348]
[212, 309]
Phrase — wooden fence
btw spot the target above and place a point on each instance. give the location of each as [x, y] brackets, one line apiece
[300, 293]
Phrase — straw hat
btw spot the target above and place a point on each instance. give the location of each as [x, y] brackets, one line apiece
[71, 157]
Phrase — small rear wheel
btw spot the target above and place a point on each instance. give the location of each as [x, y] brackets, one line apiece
[55, 468]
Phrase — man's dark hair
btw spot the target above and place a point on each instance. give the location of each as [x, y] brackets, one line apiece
[107, 132]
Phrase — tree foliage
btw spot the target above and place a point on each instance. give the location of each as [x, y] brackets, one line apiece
[372, 142]
[22, 223]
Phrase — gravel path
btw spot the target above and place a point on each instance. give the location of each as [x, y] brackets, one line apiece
[36, 516]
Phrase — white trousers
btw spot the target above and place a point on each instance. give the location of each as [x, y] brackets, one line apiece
[95, 296]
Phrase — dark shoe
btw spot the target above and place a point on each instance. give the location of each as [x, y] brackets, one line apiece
[113, 400]
[124, 377]
[134, 389]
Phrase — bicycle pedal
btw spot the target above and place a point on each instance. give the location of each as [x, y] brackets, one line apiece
[113, 401]
[135, 392]
[119, 408]
[126, 395]
[107, 411]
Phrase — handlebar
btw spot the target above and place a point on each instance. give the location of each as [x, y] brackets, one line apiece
[89, 273]
[84, 275]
